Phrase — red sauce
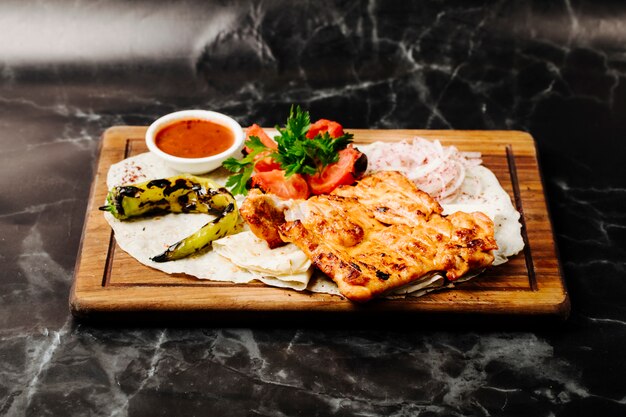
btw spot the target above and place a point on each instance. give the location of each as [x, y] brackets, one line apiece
[194, 138]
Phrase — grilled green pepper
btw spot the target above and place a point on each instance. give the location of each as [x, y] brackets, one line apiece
[179, 194]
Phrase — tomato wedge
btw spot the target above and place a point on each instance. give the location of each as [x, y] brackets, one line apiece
[334, 129]
[274, 182]
[264, 163]
[350, 166]
[256, 130]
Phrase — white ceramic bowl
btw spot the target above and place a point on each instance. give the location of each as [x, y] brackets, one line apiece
[195, 165]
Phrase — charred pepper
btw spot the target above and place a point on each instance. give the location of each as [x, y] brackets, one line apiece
[179, 194]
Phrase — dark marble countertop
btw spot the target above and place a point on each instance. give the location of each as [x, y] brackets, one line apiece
[70, 70]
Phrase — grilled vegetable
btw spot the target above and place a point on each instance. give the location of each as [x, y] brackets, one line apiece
[179, 194]
[225, 224]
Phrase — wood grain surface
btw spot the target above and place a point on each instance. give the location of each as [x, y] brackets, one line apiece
[107, 281]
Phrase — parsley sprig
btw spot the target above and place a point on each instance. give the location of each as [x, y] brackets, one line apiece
[243, 167]
[296, 153]
[299, 155]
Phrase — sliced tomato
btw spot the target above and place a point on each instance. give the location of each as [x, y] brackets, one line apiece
[274, 182]
[350, 166]
[256, 130]
[334, 129]
[264, 163]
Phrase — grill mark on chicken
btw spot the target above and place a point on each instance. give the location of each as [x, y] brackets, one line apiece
[380, 234]
[263, 217]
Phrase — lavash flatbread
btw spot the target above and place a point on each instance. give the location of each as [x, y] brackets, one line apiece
[481, 191]
[143, 238]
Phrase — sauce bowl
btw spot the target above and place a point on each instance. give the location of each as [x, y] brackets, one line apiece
[195, 165]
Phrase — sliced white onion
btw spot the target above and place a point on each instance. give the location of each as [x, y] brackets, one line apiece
[436, 169]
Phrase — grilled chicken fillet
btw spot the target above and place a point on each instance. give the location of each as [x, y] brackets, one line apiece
[377, 235]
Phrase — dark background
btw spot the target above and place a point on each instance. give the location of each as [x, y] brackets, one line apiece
[69, 70]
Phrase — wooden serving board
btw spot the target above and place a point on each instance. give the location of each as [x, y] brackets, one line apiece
[107, 281]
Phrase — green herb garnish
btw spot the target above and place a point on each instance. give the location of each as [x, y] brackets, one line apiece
[296, 153]
[243, 167]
